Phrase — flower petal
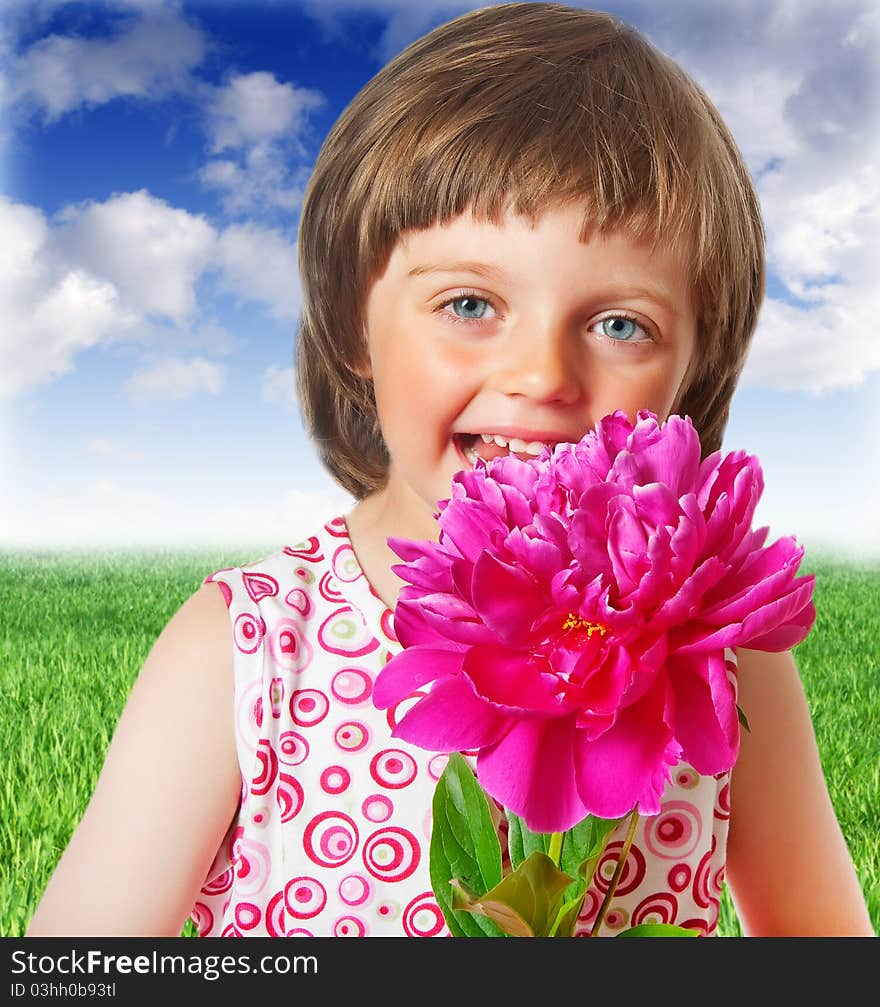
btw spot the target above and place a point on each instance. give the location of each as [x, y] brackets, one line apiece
[618, 769]
[770, 623]
[508, 599]
[512, 680]
[706, 721]
[410, 670]
[451, 719]
[530, 770]
[467, 526]
[459, 631]
[668, 454]
[788, 635]
[777, 561]
[541, 558]
[627, 544]
[417, 624]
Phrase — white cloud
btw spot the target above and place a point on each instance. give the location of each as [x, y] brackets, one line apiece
[129, 268]
[151, 55]
[814, 231]
[259, 264]
[49, 310]
[173, 379]
[824, 244]
[752, 103]
[152, 252]
[279, 386]
[256, 121]
[103, 513]
[260, 179]
[254, 108]
[835, 345]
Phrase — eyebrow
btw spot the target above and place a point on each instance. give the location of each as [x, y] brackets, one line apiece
[480, 268]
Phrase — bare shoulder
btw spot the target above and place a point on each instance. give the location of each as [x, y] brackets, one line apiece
[194, 648]
[166, 794]
[788, 864]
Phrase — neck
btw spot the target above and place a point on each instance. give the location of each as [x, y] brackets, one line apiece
[370, 523]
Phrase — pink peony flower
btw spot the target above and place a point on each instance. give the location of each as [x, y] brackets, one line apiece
[571, 622]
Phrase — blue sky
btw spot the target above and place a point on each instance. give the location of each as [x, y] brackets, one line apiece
[152, 160]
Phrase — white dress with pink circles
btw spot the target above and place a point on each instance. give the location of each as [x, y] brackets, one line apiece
[333, 828]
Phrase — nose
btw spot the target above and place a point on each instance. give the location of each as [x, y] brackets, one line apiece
[537, 361]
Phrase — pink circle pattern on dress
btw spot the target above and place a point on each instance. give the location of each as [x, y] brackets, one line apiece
[393, 768]
[308, 707]
[248, 633]
[293, 748]
[422, 917]
[391, 854]
[290, 652]
[289, 796]
[377, 808]
[352, 686]
[304, 897]
[331, 839]
[333, 829]
[355, 889]
[675, 832]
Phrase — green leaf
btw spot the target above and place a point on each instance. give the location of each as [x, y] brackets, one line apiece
[582, 846]
[526, 903]
[444, 851]
[464, 846]
[522, 842]
[505, 917]
[568, 915]
[658, 930]
[469, 817]
[742, 718]
[585, 841]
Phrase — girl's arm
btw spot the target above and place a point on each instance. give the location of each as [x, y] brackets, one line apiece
[165, 796]
[788, 866]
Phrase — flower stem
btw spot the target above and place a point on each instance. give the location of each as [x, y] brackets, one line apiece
[555, 850]
[618, 870]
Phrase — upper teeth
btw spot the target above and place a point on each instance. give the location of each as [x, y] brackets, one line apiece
[514, 444]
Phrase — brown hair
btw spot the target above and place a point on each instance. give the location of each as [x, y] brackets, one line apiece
[527, 105]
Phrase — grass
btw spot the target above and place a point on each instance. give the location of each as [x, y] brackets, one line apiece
[77, 627]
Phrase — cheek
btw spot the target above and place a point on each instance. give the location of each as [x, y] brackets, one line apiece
[417, 410]
[655, 388]
[675, 372]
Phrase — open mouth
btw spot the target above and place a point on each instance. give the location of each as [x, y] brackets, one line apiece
[488, 446]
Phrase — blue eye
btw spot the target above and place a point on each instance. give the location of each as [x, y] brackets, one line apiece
[620, 328]
[469, 299]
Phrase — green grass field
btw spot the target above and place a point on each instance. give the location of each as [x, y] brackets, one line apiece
[76, 629]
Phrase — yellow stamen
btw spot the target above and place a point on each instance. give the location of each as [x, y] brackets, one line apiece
[575, 622]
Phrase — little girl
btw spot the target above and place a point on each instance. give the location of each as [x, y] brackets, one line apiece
[526, 220]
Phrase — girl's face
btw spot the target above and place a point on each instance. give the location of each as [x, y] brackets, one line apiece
[525, 333]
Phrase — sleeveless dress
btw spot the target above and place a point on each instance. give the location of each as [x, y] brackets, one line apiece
[332, 832]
